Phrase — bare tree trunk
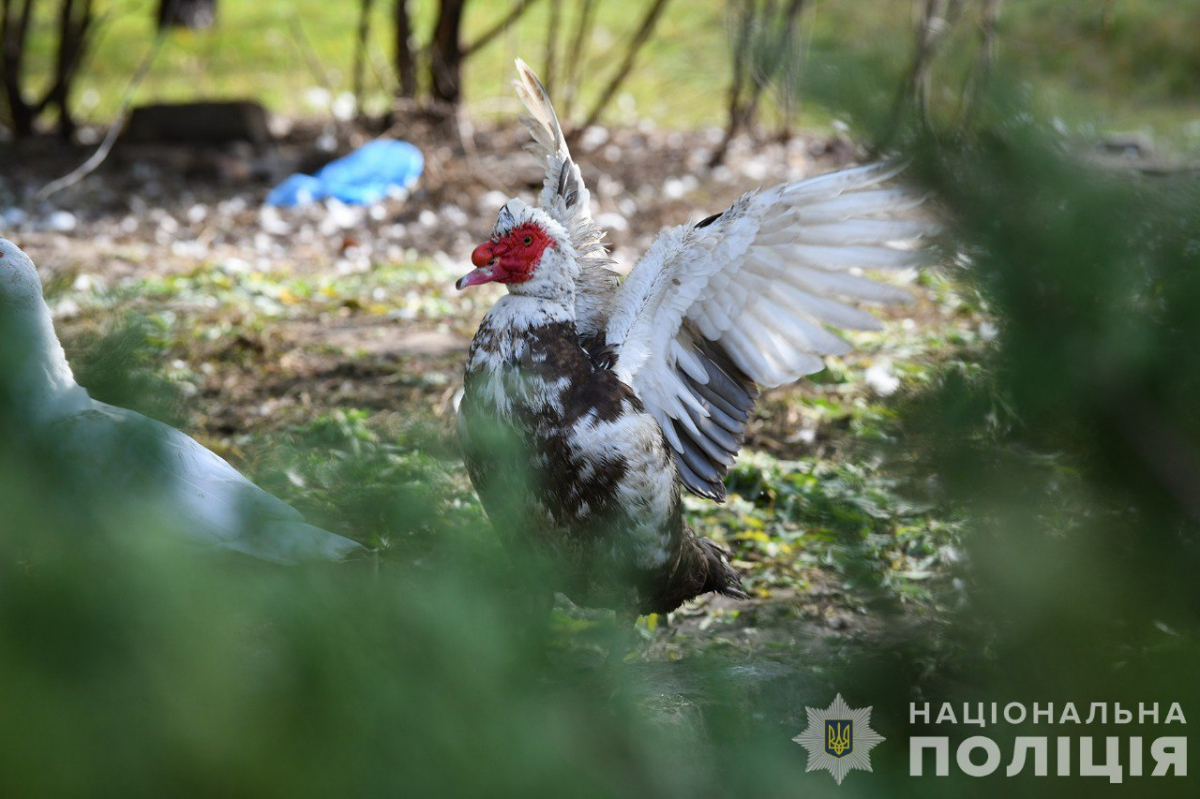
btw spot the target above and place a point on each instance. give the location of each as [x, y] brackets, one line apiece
[15, 29]
[191, 14]
[931, 31]
[645, 29]
[406, 60]
[57, 93]
[72, 44]
[360, 51]
[74, 28]
[445, 53]
[987, 30]
[761, 74]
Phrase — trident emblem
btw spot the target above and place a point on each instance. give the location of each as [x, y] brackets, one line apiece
[839, 737]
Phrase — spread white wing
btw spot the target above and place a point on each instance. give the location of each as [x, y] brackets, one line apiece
[746, 297]
[567, 200]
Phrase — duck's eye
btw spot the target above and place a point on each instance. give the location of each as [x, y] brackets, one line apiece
[528, 240]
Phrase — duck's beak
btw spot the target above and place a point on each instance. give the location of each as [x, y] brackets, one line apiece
[484, 274]
[484, 258]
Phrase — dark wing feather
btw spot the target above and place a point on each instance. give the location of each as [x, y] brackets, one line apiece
[729, 397]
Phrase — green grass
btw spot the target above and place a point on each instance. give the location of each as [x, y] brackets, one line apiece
[1116, 65]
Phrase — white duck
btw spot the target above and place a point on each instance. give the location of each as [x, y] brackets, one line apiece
[210, 501]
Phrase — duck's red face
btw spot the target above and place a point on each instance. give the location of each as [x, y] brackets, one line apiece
[511, 258]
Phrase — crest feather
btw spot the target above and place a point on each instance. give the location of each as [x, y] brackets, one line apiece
[567, 200]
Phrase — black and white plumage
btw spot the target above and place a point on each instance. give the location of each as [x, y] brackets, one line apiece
[126, 452]
[588, 401]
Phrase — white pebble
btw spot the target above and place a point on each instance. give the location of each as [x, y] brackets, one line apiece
[880, 378]
[61, 221]
[271, 222]
[492, 201]
[611, 221]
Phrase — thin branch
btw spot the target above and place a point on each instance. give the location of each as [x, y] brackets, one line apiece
[981, 70]
[384, 76]
[789, 65]
[305, 46]
[320, 75]
[737, 85]
[500, 27]
[551, 43]
[936, 21]
[92, 164]
[13, 44]
[761, 74]
[583, 29]
[635, 45]
[406, 61]
[360, 51]
[775, 31]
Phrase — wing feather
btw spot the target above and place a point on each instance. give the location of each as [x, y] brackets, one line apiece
[746, 298]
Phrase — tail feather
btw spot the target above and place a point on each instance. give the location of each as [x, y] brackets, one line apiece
[722, 578]
[702, 568]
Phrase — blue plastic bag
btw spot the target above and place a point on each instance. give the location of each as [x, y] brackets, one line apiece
[363, 177]
[296, 190]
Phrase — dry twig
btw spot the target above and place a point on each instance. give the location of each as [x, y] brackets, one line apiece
[635, 45]
[500, 27]
[360, 52]
[583, 29]
[982, 68]
[551, 44]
